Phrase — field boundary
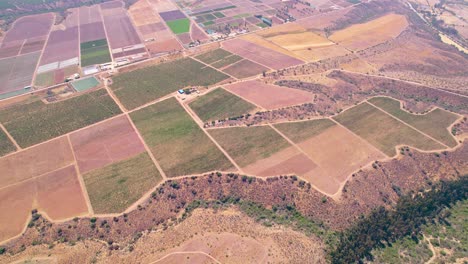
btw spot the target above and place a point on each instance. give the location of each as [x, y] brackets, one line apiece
[186, 252]
[401, 121]
[10, 137]
[200, 123]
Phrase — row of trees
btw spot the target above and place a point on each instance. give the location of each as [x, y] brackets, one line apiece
[382, 227]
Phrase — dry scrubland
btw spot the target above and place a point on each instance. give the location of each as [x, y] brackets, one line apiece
[229, 236]
[142, 86]
[54, 119]
[362, 36]
[382, 130]
[177, 142]
[220, 104]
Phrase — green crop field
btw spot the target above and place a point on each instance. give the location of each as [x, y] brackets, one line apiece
[6, 146]
[179, 26]
[249, 144]
[35, 122]
[95, 52]
[213, 56]
[383, 131]
[148, 84]
[226, 61]
[301, 131]
[177, 142]
[434, 123]
[220, 104]
[219, 15]
[114, 188]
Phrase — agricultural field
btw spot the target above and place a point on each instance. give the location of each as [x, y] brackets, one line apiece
[261, 151]
[325, 143]
[269, 96]
[261, 55]
[115, 187]
[44, 177]
[176, 141]
[179, 26]
[435, 123]
[219, 58]
[105, 143]
[6, 146]
[248, 145]
[220, 104]
[142, 86]
[245, 69]
[95, 52]
[49, 120]
[383, 131]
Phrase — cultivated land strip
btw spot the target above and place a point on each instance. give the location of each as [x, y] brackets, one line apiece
[207, 65]
[403, 122]
[200, 124]
[33, 79]
[80, 179]
[10, 137]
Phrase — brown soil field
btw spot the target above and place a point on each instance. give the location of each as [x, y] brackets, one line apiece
[142, 13]
[35, 161]
[119, 28]
[322, 53]
[197, 34]
[362, 36]
[259, 54]
[105, 143]
[15, 205]
[244, 68]
[164, 46]
[270, 96]
[59, 194]
[163, 5]
[338, 153]
[285, 162]
[261, 41]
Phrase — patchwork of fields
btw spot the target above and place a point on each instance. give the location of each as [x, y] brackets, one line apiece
[142, 86]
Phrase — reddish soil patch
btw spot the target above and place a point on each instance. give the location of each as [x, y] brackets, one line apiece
[92, 31]
[150, 28]
[244, 69]
[184, 38]
[198, 34]
[338, 153]
[35, 161]
[29, 27]
[112, 5]
[59, 76]
[62, 44]
[33, 45]
[270, 96]
[105, 143]
[259, 54]
[287, 161]
[15, 205]
[120, 30]
[59, 194]
[89, 15]
[163, 46]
